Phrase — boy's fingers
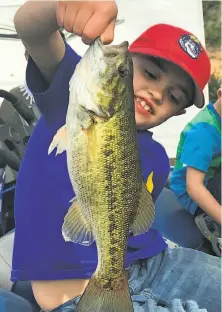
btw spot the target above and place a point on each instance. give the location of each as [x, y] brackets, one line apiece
[69, 19]
[94, 28]
[81, 21]
[88, 19]
[108, 34]
[60, 13]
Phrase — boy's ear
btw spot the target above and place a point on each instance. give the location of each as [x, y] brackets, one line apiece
[219, 93]
[181, 112]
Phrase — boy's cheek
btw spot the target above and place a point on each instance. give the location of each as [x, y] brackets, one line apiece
[144, 123]
[158, 120]
[168, 112]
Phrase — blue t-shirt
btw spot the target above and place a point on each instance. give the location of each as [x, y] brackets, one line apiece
[44, 190]
[202, 144]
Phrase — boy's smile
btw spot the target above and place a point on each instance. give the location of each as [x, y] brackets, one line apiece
[161, 90]
[143, 106]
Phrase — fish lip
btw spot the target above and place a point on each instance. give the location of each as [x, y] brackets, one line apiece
[123, 47]
[98, 42]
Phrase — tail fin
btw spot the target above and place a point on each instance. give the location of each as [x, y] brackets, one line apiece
[96, 299]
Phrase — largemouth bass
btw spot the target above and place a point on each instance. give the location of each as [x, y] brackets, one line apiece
[104, 167]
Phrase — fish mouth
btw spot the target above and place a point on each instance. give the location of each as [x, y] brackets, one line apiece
[123, 47]
[118, 48]
[98, 42]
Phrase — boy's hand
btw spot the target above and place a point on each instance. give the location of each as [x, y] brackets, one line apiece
[200, 195]
[88, 19]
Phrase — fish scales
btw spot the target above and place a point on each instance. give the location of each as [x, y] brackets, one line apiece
[104, 167]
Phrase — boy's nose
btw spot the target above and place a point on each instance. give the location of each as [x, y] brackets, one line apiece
[157, 96]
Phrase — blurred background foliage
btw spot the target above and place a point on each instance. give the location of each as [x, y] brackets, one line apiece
[212, 25]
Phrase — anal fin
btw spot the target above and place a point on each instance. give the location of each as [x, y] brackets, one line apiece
[75, 227]
[145, 213]
[59, 141]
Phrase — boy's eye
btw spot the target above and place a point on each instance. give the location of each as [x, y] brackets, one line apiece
[173, 98]
[150, 75]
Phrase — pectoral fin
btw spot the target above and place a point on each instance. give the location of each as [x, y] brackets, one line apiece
[145, 213]
[59, 141]
[75, 227]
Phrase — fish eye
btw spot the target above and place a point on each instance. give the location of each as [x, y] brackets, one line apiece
[123, 71]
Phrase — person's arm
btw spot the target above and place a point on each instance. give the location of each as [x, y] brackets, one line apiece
[198, 150]
[53, 62]
[200, 195]
[37, 24]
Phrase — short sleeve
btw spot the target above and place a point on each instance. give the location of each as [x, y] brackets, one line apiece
[161, 172]
[52, 100]
[155, 164]
[198, 148]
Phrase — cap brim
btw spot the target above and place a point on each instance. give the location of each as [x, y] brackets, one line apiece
[199, 97]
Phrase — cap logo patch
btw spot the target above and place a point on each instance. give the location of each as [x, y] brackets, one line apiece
[191, 45]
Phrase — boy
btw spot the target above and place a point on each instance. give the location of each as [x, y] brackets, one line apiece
[60, 271]
[196, 179]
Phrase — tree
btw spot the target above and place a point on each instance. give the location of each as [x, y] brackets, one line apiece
[212, 27]
[212, 23]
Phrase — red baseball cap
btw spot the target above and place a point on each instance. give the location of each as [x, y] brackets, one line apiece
[179, 47]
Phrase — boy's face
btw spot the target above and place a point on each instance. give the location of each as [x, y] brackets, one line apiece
[161, 89]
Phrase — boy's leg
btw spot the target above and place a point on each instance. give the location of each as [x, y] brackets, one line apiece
[207, 226]
[181, 273]
[174, 222]
[175, 305]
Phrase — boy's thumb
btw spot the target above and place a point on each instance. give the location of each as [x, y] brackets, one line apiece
[108, 35]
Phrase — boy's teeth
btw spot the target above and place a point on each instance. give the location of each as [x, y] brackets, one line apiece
[147, 108]
[144, 105]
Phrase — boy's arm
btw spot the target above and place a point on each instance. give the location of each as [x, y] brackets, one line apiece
[198, 150]
[37, 24]
[53, 62]
[200, 195]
